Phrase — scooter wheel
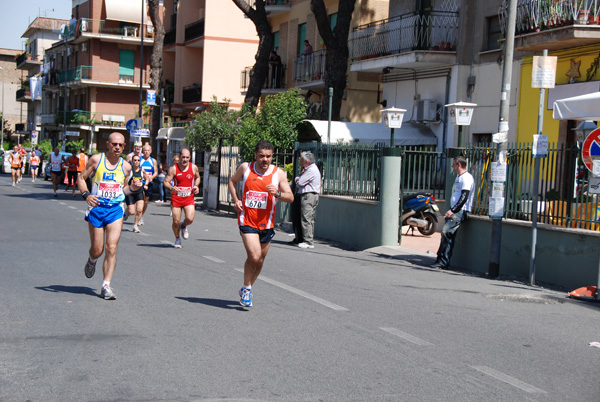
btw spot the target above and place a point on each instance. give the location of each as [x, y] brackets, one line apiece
[430, 228]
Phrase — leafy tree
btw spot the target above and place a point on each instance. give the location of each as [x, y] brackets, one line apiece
[260, 70]
[276, 121]
[74, 146]
[336, 60]
[7, 132]
[211, 125]
[46, 147]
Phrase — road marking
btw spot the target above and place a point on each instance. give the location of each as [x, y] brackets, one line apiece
[509, 380]
[214, 259]
[406, 337]
[166, 242]
[72, 207]
[62, 203]
[299, 292]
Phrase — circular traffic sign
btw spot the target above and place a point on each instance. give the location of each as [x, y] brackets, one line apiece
[131, 125]
[590, 149]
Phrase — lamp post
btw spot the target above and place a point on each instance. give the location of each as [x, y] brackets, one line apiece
[2, 121]
[392, 118]
[461, 114]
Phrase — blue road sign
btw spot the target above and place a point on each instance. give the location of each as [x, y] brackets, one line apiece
[131, 125]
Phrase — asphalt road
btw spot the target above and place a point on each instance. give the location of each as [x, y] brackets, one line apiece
[327, 324]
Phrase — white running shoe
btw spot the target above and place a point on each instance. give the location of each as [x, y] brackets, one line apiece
[305, 245]
[141, 222]
[178, 243]
[184, 232]
[108, 293]
[136, 229]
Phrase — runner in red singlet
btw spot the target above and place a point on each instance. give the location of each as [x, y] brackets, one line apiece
[186, 182]
[262, 183]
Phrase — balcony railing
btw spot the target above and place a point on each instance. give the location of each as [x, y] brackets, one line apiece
[540, 15]
[192, 94]
[26, 58]
[194, 30]
[48, 119]
[275, 78]
[434, 31]
[170, 37]
[108, 27]
[83, 117]
[309, 68]
[100, 75]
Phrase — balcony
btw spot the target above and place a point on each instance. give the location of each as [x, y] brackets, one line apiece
[110, 31]
[24, 95]
[87, 118]
[274, 83]
[547, 24]
[48, 119]
[274, 7]
[413, 40]
[170, 38]
[26, 61]
[308, 70]
[95, 76]
[195, 30]
[192, 94]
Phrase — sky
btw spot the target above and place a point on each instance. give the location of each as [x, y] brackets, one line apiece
[16, 15]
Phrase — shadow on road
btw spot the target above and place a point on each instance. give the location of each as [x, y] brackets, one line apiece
[227, 304]
[68, 289]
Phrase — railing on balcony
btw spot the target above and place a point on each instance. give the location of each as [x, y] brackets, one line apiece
[309, 67]
[48, 118]
[84, 117]
[275, 78]
[436, 31]
[108, 27]
[194, 30]
[23, 94]
[192, 94]
[170, 37]
[26, 57]
[540, 15]
[252, 3]
[100, 75]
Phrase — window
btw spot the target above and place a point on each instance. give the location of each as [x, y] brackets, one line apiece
[276, 42]
[301, 38]
[333, 20]
[126, 65]
[494, 33]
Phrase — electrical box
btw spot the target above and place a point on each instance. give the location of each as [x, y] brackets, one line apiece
[427, 110]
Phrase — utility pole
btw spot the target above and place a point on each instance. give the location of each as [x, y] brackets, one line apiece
[509, 44]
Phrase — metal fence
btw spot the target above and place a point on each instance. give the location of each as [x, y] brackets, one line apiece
[423, 169]
[563, 198]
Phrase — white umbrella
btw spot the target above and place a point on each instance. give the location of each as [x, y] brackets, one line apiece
[583, 107]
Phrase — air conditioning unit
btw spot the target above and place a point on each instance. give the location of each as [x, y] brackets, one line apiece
[84, 47]
[427, 110]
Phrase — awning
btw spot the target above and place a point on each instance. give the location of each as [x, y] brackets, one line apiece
[125, 10]
[583, 107]
[411, 133]
[172, 133]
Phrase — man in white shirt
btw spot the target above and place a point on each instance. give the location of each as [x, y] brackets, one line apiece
[461, 204]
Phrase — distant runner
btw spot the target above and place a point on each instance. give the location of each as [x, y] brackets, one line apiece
[15, 159]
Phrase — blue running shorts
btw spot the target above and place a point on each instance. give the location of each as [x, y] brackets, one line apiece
[265, 236]
[101, 216]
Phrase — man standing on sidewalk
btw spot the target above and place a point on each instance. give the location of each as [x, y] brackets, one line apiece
[262, 184]
[308, 187]
[461, 204]
[108, 172]
[186, 184]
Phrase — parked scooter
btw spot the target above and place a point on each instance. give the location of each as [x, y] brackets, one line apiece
[420, 211]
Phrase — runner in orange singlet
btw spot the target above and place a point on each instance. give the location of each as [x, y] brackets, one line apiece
[15, 165]
[262, 183]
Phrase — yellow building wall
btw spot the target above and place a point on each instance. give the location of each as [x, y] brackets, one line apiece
[529, 97]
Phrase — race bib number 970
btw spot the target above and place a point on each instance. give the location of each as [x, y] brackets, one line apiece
[109, 190]
[257, 199]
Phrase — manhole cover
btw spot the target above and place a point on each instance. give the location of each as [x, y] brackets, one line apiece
[528, 299]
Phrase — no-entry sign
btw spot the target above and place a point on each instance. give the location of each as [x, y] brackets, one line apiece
[590, 149]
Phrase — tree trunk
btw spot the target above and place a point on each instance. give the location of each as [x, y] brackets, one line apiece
[260, 70]
[336, 58]
[156, 68]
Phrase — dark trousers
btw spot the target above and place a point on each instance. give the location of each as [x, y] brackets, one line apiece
[449, 235]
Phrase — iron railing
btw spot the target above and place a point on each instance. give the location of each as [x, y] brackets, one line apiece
[192, 94]
[423, 169]
[100, 74]
[170, 37]
[436, 30]
[309, 67]
[275, 78]
[563, 197]
[194, 30]
[540, 15]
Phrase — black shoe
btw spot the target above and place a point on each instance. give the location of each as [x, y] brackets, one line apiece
[439, 265]
[296, 241]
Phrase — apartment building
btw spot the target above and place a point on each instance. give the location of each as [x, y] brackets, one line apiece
[293, 23]
[97, 72]
[13, 111]
[40, 35]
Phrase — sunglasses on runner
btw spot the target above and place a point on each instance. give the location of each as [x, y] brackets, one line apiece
[117, 144]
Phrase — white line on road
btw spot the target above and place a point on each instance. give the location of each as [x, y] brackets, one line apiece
[62, 203]
[299, 292]
[214, 259]
[406, 337]
[509, 380]
[72, 207]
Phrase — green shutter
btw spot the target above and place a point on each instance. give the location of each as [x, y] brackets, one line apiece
[301, 37]
[126, 62]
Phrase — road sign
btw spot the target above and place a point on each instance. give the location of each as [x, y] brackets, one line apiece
[590, 149]
[131, 125]
[142, 132]
[34, 137]
[151, 97]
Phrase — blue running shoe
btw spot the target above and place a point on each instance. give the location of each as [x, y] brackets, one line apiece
[246, 297]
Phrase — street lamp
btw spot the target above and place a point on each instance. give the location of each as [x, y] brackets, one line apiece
[584, 129]
[460, 115]
[392, 118]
